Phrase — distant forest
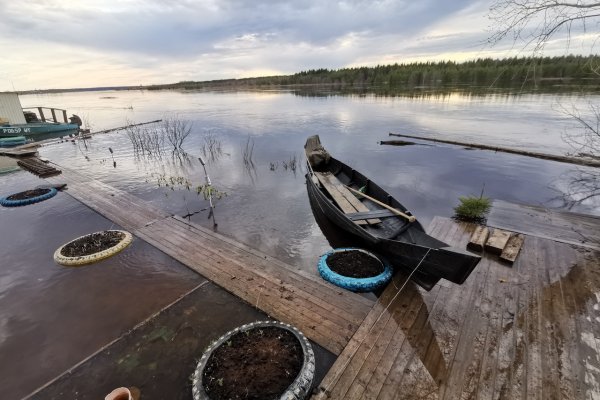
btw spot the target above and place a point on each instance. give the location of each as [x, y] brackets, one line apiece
[566, 71]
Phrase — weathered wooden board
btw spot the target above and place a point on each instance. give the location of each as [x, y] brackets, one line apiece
[497, 241]
[512, 248]
[478, 238]
[343, 197]
[561, 226]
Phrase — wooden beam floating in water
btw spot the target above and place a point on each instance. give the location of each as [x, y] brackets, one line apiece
[37, 167]
[127, 126]
[553, 157]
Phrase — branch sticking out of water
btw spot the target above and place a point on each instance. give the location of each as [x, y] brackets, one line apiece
[176, 131]
[248, 152]
[211, 148]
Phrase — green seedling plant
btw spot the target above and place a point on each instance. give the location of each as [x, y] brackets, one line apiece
[472, 208]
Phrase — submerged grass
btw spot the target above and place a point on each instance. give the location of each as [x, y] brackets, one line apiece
[154, 141]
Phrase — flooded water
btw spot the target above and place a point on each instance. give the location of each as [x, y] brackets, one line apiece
[266, 204]
[52, 317]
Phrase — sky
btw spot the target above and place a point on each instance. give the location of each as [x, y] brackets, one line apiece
[90, 43]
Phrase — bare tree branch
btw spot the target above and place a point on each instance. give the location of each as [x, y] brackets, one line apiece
[535, 22]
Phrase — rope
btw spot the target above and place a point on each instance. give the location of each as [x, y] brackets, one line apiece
[334, 381]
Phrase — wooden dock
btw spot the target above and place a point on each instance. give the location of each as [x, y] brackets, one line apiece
[530, 330]
[325, 313]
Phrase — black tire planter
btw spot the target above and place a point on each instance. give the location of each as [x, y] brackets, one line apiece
[354, 284]
[301, 386]
[19, 203]
[95, 257]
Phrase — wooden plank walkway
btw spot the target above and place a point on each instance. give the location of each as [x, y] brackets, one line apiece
[580, 229]
[325, 313]
[527, 331]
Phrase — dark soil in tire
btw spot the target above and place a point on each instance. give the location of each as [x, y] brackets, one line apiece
[354, 264]
[92, 244]
[257, 364]
[28, 194]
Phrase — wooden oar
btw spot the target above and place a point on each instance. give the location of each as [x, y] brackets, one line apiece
[410, 218]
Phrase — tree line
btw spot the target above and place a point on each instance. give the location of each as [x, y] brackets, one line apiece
[482, 72]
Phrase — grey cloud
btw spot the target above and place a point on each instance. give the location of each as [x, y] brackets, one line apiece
[184, 29]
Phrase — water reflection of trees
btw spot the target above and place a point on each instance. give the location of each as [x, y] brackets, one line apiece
[583, 184]
[534, 24]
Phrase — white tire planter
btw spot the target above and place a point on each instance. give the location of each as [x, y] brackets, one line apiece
[92, 258]
[301, 386]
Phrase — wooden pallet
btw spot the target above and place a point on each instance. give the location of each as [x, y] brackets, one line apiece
[37, 167]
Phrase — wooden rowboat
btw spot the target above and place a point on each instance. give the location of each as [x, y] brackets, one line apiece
[379, 222]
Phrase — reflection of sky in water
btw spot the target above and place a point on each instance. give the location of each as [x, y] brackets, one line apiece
[269, 209]
[51, 316]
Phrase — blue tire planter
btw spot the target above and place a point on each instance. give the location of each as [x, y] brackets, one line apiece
[354, 284]
[18, 203]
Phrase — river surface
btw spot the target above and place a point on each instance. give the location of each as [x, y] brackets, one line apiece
[52, 317]
[266, 205]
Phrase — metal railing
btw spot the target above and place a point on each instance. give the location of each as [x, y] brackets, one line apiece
[43, 118]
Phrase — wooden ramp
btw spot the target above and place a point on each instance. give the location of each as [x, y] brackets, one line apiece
[530, 331]
[325, 313]
[580, 229]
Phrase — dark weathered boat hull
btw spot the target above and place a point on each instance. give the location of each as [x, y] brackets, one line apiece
[407, 245]
[338, 237]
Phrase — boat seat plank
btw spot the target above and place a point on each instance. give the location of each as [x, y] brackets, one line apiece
[371, 214]
[343, 197]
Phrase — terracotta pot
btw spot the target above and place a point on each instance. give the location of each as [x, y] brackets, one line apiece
[121, 393]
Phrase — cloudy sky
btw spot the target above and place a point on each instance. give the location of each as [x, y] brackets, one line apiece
[87, 43]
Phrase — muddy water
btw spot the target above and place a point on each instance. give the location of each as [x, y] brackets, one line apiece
[52, 317]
